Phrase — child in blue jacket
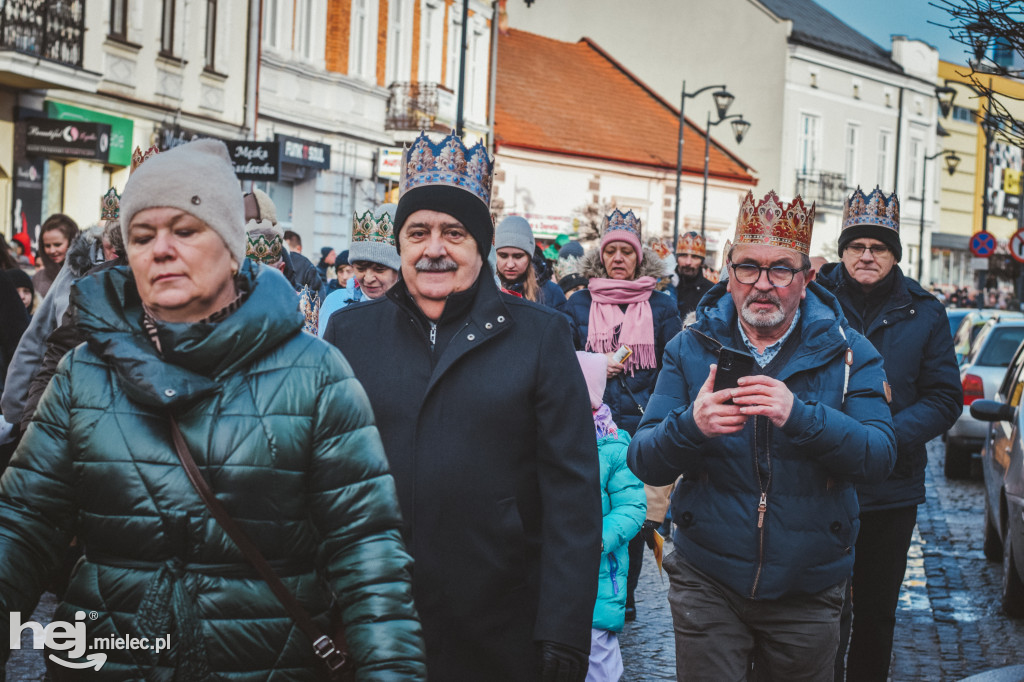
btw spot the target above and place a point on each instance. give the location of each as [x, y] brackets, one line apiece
[624, 506]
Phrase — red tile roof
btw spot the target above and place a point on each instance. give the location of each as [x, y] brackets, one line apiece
[574, 98]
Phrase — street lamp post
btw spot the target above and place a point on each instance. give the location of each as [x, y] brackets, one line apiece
[740, 126]
[952, 161]
[722, 101]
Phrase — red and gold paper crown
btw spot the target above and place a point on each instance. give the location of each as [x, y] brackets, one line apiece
[772, 223]
[138, 157]
[693, 244]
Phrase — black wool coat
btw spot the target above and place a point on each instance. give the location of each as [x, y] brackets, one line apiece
[492, 446]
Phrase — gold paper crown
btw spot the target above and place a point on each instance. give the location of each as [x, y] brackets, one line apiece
[368, 228]
[138, 157]
[873, 209]
[693, 244]
[772, 223]
[110, 205]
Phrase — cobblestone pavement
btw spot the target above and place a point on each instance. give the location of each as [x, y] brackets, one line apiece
[949, 624]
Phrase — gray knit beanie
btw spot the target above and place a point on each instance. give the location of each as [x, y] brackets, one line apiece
[197, 178]
[373, 238]
[515, 231]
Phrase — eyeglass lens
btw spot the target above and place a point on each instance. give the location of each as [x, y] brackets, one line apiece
[779, 276]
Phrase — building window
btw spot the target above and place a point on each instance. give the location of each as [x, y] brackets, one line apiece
[431, 41]
[810, 143]
[396, 48]
[963, 114]
[272, 23]
[167, 28]
[1002, 52]
[916, 167]
[884, 153]
[359, 60]
[454, 51]
[211, 34]
[304, 29]
[475, 88]
[852, 143]
[119, 19]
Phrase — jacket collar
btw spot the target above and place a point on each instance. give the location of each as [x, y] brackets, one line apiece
[901, 298]
[196, 356]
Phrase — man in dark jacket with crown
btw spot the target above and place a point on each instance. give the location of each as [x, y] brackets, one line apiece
[908, 326]
[691, 251]
[485, 419]
[765, 511]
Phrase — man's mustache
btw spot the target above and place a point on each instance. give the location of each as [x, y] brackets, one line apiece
[442, 264]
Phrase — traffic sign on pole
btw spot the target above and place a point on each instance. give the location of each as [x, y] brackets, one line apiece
[1016, 246]
[983, 244]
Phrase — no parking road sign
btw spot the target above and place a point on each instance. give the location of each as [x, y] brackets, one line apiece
[1017, 246]
[983, 244]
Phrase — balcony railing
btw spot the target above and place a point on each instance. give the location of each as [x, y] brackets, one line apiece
[419, 106]
[51, 29]
[822, 187]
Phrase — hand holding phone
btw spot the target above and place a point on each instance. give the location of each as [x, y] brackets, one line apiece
[732, 364]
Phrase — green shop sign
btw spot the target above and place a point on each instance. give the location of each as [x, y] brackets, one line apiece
[120, 128]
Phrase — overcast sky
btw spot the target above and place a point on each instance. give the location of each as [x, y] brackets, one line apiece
[879, 19]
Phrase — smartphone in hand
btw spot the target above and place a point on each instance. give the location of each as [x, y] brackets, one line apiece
[732, 364]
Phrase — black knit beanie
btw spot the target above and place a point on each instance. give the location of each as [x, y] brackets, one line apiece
[886, 235]
[460, 204]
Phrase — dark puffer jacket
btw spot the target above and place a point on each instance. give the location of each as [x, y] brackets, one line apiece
[627, 395]
[805, 470]
[284, 435]
[912, 334]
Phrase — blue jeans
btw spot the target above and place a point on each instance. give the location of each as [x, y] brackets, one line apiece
[718, 631]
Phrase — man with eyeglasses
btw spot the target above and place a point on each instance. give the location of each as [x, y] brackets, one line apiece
[766, 512]
[908, 326]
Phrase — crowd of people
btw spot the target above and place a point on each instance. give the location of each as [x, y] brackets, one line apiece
[457, 449]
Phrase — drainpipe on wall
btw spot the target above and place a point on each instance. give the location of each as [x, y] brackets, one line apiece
[899, 137]
[252, 69]
[492, 97]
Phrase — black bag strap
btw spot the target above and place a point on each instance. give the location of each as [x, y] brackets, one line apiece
[334, 656]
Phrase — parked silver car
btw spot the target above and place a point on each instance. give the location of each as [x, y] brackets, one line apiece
[981, 371]
[1002, 459]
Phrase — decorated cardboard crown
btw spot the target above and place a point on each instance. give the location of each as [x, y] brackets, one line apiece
[139, 157]
[873, 209]
[693, 244]
[374, 229]
[448, 163]
[263, 249]
[110, 205]
[772, 223]
[623, 221]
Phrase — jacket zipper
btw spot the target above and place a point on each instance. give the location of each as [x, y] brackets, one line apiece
[433, 335]
[762, 505]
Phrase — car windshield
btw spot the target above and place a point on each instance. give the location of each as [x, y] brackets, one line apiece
[998, 349]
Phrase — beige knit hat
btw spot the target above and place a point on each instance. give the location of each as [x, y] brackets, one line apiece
[197, 178]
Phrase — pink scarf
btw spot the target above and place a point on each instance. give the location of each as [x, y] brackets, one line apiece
[635, 326]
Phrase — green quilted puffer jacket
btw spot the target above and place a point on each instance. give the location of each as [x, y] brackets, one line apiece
[284, 435]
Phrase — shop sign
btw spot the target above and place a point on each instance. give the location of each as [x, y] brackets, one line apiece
[169, 138]
[71, 140]
[389, 163]
[121, 129]
[301, 152]
[255, 160]
[28, 196]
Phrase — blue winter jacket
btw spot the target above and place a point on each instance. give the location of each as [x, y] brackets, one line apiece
[912, 334]
[627, 405]
[770, 512]
[623, 506]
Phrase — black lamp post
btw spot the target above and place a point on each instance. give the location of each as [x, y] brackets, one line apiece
[722, 101]
[740, 126]
[952, 161]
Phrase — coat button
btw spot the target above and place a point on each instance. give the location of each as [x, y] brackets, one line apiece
[488, 325]
[912, 311]
[501, 318]
[686, 520]
[471, 337]
[885, 321]
[170, 393]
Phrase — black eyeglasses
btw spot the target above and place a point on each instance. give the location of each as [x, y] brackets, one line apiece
[875, 249]
[778, 275]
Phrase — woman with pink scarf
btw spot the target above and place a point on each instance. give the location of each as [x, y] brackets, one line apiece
[621, 307]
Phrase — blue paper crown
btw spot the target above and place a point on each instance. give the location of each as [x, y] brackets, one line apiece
[623, 221]
[873, 209]
[448, 163]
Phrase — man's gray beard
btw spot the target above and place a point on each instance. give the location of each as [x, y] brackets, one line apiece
[765, 320]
